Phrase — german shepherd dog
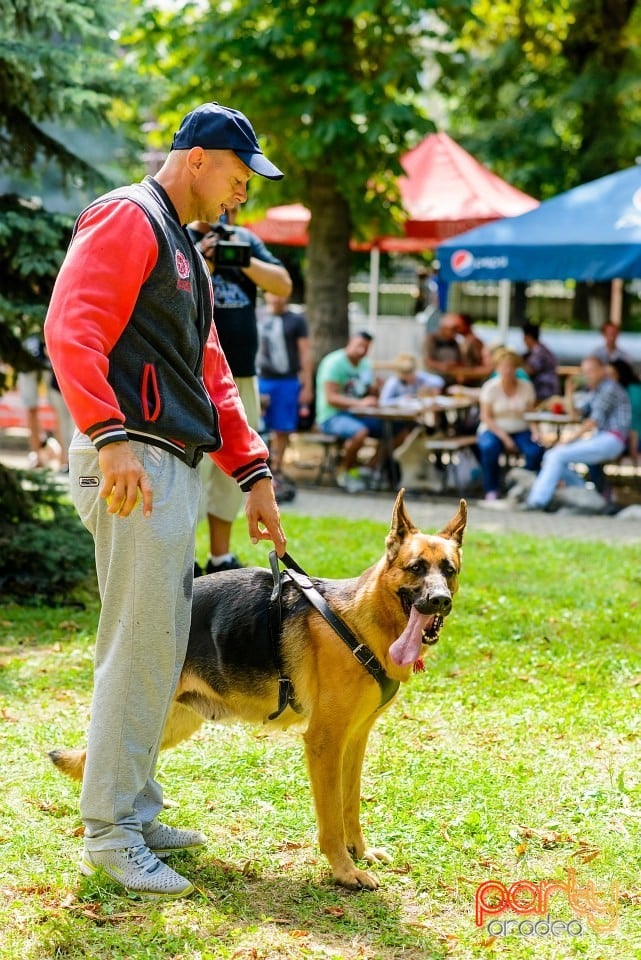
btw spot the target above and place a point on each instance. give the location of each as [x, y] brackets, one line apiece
[392, 610]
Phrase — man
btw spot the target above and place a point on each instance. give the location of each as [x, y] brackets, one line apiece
[285, 375]
[345, 381]
[602, 436]
[139, 364]
[609, 351]
[540, 364]
[235, 290]
[441, 350]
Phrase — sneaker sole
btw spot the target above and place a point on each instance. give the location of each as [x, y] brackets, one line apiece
[89, 870]
[166, 851]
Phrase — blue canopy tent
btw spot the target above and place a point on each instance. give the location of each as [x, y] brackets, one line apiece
[592, 232]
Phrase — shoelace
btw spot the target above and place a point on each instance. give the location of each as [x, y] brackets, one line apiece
[144, 858]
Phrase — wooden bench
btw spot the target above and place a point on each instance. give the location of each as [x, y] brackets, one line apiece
[331, 452]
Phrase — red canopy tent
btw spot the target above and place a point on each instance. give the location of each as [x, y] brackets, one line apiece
[444, 191]
[285, 224]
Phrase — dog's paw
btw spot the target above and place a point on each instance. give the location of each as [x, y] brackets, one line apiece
[355, 879]
[376, 855]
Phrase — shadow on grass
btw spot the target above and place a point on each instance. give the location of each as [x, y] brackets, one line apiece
[248, 908]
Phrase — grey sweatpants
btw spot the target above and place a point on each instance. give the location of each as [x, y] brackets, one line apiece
[145, 576]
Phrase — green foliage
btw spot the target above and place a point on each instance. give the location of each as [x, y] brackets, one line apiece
[60, 73]
[76, 78]
[335, 90]
[32, 245]
[547, 92]
[334, 86]
[45, 552]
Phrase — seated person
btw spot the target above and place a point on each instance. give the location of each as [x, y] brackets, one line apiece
[344, 382]
[624, 374]
[504, 400]
[407, 381]
[441, 349]
[609, 351]
[406, 385]
[475, 367]
[540, 364]
[602, 435]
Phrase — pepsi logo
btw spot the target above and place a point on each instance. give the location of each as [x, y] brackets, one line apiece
[182, 265]
[462, 262]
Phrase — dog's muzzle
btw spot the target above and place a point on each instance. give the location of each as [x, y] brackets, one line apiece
[425, 617]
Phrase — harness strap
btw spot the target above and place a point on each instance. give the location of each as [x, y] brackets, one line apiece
[285, 686]
[360, 650]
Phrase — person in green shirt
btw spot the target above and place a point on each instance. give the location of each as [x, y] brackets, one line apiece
[345, 383]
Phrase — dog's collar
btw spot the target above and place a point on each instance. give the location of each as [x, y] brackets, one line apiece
[360, 650]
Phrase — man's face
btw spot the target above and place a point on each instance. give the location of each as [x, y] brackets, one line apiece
[220, 182]
[449, 326]
[357, 348]
[276, 303]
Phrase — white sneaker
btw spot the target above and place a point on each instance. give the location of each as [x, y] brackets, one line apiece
[351, 482]
[163, 840]
[138, 870]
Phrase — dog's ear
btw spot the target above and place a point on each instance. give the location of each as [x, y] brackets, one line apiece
[401, 527]
[456, 527]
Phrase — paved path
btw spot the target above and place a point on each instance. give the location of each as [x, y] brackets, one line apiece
[430, 513]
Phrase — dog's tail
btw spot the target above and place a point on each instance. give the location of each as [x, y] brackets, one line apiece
[69, 762]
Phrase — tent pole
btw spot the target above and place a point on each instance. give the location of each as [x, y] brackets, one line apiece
[616, 301]
[374, 274]
[504, 309]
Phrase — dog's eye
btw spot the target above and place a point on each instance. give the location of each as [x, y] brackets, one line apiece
[417, 566]
[449, 569]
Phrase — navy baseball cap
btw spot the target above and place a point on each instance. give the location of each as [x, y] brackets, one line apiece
[214, 127]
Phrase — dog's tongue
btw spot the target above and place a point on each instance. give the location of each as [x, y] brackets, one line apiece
[407, 648]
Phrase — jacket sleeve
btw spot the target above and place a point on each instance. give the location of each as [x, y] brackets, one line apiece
[93, 298]
[243, 454]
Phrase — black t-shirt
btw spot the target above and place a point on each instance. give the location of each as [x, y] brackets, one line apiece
[235, 308]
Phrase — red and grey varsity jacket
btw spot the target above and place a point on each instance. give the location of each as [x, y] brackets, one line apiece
[130, 337]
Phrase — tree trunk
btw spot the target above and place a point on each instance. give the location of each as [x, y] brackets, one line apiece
[328, 267]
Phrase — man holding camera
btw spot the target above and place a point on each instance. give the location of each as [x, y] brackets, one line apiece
[239, 264]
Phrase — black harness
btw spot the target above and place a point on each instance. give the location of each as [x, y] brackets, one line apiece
[361, 651]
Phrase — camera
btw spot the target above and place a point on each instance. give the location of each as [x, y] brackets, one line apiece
[229, 253]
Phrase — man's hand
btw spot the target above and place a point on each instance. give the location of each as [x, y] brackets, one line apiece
[124, 480]
[263, 518]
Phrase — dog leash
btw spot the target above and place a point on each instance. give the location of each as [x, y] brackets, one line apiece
[361, 651]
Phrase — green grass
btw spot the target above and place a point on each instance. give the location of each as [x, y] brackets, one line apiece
[515, 756]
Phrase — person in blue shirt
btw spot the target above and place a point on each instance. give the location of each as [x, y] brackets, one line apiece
[602, 435]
